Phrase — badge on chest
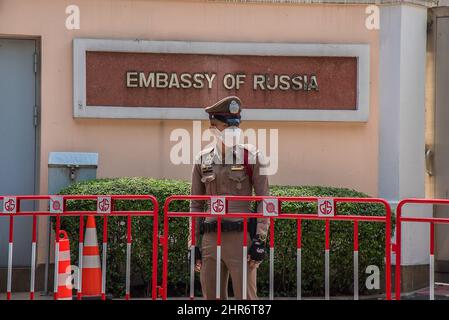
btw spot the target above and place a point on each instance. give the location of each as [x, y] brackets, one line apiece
[206, 168]
[206, 165]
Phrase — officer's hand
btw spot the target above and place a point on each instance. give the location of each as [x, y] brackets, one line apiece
[198, 265]
[197, 259]
[256, 252]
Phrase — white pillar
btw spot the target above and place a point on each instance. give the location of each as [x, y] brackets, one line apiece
[402, 118]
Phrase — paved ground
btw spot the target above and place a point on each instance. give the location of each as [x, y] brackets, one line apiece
[441, 293]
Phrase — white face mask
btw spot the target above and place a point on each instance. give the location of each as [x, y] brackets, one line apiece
[229, 136]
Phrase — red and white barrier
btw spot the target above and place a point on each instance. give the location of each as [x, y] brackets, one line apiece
[326, 212]
[400, 219]
[58, 209]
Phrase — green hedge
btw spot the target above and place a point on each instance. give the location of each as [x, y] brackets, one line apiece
[371, 251]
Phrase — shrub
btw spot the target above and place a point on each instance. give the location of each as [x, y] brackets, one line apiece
[371, 237]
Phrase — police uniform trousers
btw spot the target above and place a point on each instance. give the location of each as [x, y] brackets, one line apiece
[231, 265]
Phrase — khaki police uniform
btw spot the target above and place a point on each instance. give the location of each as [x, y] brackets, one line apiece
[212, 176]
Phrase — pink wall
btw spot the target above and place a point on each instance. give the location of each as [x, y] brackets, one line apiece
[338, 154]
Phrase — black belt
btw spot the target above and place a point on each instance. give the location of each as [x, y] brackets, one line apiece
[226, 226]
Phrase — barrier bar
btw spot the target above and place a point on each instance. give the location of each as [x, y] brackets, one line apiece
[128, 257]
[192, 260]
[10, 255]
[80, 258]
[56, 268]
[356, 260]
[326, 262]
[218, 277]
[165, 253]
[271, 259]
[104, 257]
[432, 262]
[298, 259]
[155, 247]
[33, 259]
[245, 260]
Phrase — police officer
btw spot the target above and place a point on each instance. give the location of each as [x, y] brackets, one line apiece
[228, 168]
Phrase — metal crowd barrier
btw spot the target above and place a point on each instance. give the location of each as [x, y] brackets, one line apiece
[431, 221]
[272, 210]
[58, 209]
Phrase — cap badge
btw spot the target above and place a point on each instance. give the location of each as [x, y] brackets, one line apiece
[234, 107]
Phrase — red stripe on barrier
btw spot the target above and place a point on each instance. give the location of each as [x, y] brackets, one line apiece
[245, 232]
[271, 233]
[298, 233]
[193, 230]
[128, 231]
[327, 236]
[356, 236]
[219, 231]
[432, 238]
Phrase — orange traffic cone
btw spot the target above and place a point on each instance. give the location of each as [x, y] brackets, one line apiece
[64, 268]
[91, 269]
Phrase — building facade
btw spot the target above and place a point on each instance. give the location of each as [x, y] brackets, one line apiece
[86, 88]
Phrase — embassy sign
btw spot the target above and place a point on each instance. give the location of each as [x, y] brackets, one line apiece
[185, 80]
[176, 80]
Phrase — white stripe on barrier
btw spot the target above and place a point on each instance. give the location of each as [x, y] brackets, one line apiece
[55, 282]
[326, 274]
[432, 277]
[271, 294]
[356, 275]
[192, 271]
[80, 266]
[103, 269]
[33, 266]
[298, 274]
[68, 298]
[90, 238]
[64, 255]
[218, 278]
[10, 249]
[128, 267]
[62, 279]
[90, 262]
[245, 273]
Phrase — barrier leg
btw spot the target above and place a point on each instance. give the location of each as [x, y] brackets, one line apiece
[432, 263]
[155, 250]
[104, 258]
[245, 260]
[80, 258]
[128, 259]
[356, 260]
[192, 272]
[326, 264]
[56, 268]
[192, 259]
[298, 260]
[218, 273]
[271, 294]
[10, 251]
